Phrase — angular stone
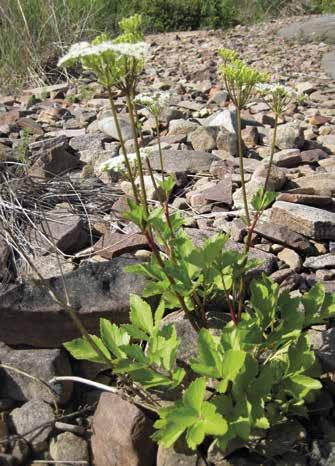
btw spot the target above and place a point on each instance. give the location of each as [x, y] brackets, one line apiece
[281, 234]
[325, 261]
[65, 230]
[308, 199]
[107, 126]
[250, 136]
[322, 183]
[29, 418]
[121, 434]
[41, 363]
[182, 127]
[323, 342]
[221, 192]
[55, 161]
[328, 142]
[312, 155]
[309, 221]
[291, 258]
[69, 447]
[287, 158]
[183, 161]
[95, 290]
[173, 457]
[88, 142]
[203, 138]
[289, 136]
[113, 244]
[30, 125]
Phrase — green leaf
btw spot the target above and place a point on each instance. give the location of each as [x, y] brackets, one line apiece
[113, 337]
[81, 349]
[135, 332]
[208, 362]
[159, 314]
[307, 382]
[195, 435]
[214, 423]
[194, 395]
[141, 314]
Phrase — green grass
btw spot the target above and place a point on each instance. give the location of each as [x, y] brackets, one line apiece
[33, 33]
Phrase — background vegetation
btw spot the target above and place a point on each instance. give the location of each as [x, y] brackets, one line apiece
[34, 32]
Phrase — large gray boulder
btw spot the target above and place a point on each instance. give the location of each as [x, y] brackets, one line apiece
[29, 316]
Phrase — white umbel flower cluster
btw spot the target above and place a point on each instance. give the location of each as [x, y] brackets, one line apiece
[117, 164]
[276, 88]
[155, 102]
[138, 51]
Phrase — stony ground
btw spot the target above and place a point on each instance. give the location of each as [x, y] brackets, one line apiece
[55, 197]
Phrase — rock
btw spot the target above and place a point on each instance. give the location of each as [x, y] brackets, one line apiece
[323, 452]
[65, 230]
[288, 279]
[7, 460]
[311, 29]
[48, 266]
[287, 158]
[29, 418]
[289, 136]
[250, 136]
[281, 438]
[183, 161]
[182, 127]
[313, 155]
[121, 434]
[221, 192]
[227, 141]
[30, 125]
[291, 258]
[309, 221]
[325, 261]
[55, 161]
[172, 457]
[305, 87]
[223, 118]
[203, 138]
[307, 199]
[113, 244]
[328, 142]
[91, 142]
[95, 290]
[4, 256]
[328, 63]
[41, 363]
[323, 183]
[68, 447]
[281, 234]
[323, 342]
[107, 126]
[277, 180]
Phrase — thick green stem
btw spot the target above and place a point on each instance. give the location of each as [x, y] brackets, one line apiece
[240, 155]
[123, 147]
[137, 150]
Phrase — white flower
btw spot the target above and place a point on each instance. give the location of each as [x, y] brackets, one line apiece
[155, 102]
[276, 89]
[138, 50]
[81, 49]
[116, 164]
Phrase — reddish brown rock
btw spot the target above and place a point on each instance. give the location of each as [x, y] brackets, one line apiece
[30, 125]
[113, 244]
[121, 434]
[308, 199]
[222, 192]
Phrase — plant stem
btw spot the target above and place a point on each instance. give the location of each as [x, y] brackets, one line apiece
[240, 154]
[159, 146]
[123, 147]
[273, 148]
[137, 150]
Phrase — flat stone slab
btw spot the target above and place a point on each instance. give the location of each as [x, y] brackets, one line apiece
[315, 223]
[183, 161]
[29, 316]
[320, 28]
